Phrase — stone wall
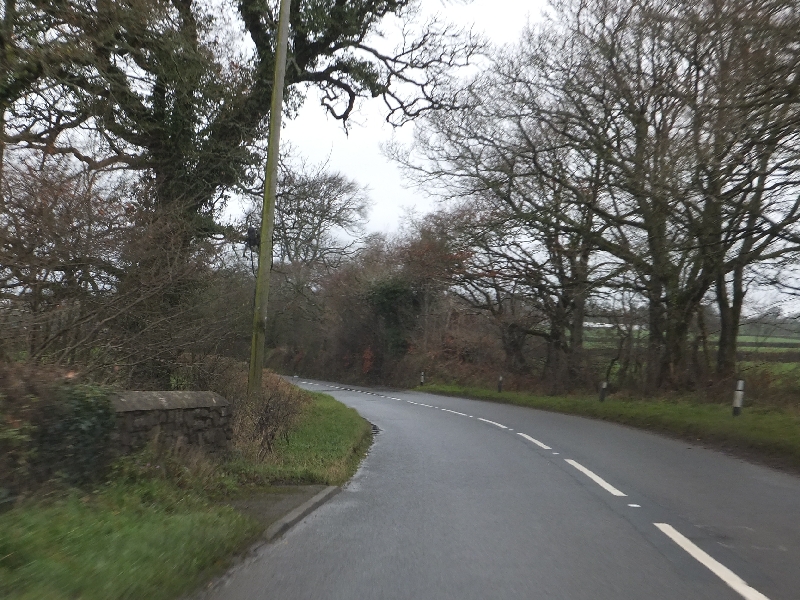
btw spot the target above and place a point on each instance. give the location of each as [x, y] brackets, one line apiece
[200, 419]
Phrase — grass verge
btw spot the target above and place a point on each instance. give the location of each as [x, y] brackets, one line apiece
[158, 527]
[326, 446]
[771, 435]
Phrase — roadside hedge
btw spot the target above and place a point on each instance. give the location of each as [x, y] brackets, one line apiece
[51, 429]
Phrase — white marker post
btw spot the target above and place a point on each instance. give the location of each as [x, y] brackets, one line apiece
[603, 388]
[738, 398]
[422, 378]
[500, 384]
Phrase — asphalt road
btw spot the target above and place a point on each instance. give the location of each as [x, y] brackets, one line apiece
[454, 501]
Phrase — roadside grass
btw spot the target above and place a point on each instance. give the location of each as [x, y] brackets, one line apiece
[150, 545]
[769, 433]
[158, 527]
[326, 446]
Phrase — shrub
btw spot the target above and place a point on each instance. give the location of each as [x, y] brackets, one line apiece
[51, 428]
[74, 440]
[258, 420]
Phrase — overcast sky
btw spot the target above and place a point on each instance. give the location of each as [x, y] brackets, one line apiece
[358, 155]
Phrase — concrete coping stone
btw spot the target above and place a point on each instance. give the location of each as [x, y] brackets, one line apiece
[129, 401]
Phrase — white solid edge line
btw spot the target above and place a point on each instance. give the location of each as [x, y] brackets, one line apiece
[596, 478]
[537, 442]
[492, 422]
[735, 582]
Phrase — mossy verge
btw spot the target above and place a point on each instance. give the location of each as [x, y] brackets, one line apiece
[158, 527]
[770, 435]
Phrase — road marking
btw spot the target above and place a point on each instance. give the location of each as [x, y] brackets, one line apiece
[455, 412]
[729, 577]
[635, 505]
[596, 478]
[492, 422]
[537, 442]
[555, 453]
[425, 405]
[410, 402]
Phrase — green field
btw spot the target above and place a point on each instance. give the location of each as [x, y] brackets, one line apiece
[599, 338]
[766, 340]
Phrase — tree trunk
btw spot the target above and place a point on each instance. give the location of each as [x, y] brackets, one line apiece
[655, 339]
[576, 370]
[513, 338]
[556, 372]
[730, 312]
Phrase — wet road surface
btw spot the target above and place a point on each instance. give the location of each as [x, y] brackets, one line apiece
[472, 500]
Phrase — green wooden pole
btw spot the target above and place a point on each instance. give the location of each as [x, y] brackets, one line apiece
[268, 208]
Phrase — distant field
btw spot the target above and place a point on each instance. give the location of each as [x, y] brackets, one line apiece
[756, 339]
[767, 349]
[780, 369]
[601, 338]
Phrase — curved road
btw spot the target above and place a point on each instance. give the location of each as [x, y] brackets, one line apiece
[472, 500]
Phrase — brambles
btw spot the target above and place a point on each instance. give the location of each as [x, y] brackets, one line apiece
[258, 420]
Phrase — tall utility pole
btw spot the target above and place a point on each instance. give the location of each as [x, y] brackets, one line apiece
[268, 208]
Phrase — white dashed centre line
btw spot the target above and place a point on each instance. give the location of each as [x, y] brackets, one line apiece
[735, 582]
[596, 478]
[455, 412]
[425, 405]
[537, 442]
[635, 505]
[493, 423]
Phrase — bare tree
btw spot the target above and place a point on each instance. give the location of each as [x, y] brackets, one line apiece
[319, 214]
[662, 137]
